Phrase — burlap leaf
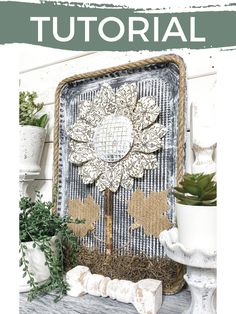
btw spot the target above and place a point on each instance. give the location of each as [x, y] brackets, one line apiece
[87, 210]
[149, 212]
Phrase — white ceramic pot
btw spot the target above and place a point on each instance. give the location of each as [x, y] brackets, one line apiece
[32, 140]
[197, 226]
[37, 265]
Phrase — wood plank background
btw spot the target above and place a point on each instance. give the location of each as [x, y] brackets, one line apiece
[41, 69]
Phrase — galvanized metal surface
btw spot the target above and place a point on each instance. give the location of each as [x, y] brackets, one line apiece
[160, 81]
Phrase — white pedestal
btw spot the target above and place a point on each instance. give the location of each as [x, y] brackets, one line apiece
[202, 283]
[24, 180]
[201, 272]
[204, 161]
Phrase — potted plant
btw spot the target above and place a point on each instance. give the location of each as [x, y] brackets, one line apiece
[196, 211]
[32, 132]
[44, 238]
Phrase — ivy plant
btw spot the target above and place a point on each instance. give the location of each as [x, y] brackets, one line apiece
[38, 223]
[28, 110]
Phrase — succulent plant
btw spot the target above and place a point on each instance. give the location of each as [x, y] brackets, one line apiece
[29, 108]
[196, 189]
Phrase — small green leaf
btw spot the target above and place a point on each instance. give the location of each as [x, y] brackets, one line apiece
[179, 189]
[209, 196]
[191, 189]
[196, 189]
[43, 121]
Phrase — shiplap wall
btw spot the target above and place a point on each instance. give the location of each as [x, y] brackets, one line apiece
[43, 68]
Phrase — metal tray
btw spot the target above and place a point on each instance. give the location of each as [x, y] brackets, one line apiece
[162, 77]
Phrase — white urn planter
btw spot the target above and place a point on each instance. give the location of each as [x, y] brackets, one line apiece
[201, 272]
[197, 226]
[32, 140]
[37, 265]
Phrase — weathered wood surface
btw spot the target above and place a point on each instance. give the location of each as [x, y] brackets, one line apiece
[88, 304]
[145, 295]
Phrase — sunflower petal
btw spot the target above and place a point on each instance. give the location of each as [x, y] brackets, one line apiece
[126, 98]
[85, 108]
[127, 182]
[80, 131]
[105, 100]
[151, 139]
[133, 165]
[80, 153]
[146, 112]
[88, 113]
[149, 161]
[101, 183]
[91, 170]
[110, 178]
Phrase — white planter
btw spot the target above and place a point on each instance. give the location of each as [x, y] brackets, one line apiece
[31, 147]
[37, 266]
[197, 226]
[201, 272]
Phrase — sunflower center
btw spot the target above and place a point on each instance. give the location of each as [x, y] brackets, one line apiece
[113, 138]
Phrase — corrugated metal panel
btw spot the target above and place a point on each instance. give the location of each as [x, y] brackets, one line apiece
[160, 81]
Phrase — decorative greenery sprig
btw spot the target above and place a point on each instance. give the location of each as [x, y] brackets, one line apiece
[28, 110]
[196, 189]
[39, 224]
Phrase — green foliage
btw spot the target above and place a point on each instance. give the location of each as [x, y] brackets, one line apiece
[196, 189]
[28, 110]
[38, 223]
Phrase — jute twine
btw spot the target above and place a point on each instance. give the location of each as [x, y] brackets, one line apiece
[141, 63]
[178, 278]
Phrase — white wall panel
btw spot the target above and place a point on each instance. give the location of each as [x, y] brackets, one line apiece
[47, 162]
[189, 153]
[45, 80]
[200, 90]
[201, 75]
[44, 186]
[31, 56]
[49, 109]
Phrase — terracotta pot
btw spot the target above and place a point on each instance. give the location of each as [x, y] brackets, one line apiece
[37, 265]
[197, 226]
[31, 147]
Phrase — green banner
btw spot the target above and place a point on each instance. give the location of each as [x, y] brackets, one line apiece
[77, 27]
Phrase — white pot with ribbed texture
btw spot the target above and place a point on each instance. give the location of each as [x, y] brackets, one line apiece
[197, 226]
[32, 140]
[37, 267]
